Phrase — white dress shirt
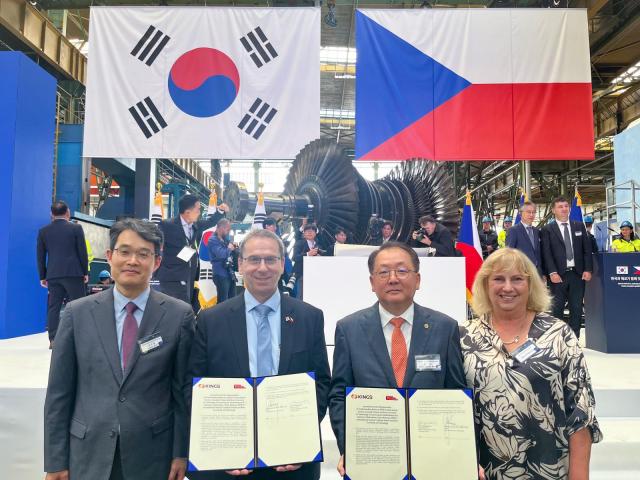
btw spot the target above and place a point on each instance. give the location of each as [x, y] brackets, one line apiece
[187, 227]
[119, 304]
[387, 326]
[570, 263]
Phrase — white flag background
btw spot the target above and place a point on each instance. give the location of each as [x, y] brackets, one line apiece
[162, 83]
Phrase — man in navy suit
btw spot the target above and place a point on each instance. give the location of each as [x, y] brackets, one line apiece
[568, 261]
[176, 275]
[380, 346]
[220, 249]
[63, 263]
[259, 333]
[525, 237]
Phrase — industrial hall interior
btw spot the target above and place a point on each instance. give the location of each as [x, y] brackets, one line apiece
[320, 239]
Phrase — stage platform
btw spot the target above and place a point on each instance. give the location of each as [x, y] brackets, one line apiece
[24, 367]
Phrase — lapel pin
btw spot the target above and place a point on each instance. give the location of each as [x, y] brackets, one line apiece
[288, 319]
[426, 326]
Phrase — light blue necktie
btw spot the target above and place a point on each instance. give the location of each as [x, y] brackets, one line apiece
[265, 358]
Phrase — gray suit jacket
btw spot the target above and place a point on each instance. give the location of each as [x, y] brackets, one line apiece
[89, 399]
[361, 357]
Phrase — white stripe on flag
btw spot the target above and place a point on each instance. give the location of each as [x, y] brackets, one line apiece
[494, 46]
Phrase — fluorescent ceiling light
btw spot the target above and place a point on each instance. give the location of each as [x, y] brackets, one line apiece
[337, 113]
[344, 55]
[632, 74]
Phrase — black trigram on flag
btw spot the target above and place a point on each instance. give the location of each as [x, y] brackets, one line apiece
[259, 218]
[153, 42]
[205, 273]
[147, 117]
[260, 115]
[258, 47]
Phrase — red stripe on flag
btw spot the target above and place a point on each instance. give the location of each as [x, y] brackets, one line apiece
[553, 121]
[472, 261]
[476, 124]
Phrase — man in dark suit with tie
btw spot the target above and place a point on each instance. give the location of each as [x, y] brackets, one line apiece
[308, 246]
[63, 262]
[525, 237]
[381, 346]
[116, 404]
[183, 234]
[262, 332]
[568, 261]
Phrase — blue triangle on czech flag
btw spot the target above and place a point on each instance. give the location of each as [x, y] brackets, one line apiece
[396, 84]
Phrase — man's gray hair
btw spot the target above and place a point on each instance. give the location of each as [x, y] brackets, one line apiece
[144, 228]
[261, 233]
[526, 204]
[223, 222]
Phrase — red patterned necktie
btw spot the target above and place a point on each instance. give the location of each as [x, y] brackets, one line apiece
[398, 350]
[129, 334]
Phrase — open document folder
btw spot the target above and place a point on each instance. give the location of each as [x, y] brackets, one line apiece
[400, 433]
[254, 422]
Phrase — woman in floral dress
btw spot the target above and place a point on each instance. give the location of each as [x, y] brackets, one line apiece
[534, 404]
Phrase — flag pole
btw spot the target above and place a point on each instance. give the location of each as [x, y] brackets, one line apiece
[527, 178]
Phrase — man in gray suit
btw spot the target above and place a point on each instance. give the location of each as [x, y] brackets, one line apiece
[116, 401]
[394, 343]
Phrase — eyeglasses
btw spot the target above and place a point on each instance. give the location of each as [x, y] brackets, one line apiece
[127, 253]
[256, 260]
[401, 273]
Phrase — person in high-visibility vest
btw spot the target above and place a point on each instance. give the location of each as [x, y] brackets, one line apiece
[502, 236]
[628, 242]
[89, 252]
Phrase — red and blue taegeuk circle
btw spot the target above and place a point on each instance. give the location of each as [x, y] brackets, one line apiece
[203, 82]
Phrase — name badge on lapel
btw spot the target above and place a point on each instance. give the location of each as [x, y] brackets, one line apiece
[150, 343]
[428, 363]
[525, 351]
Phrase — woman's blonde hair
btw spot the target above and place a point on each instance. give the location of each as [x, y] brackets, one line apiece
[509, 259]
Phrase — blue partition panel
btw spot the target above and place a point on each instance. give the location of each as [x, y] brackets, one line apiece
[69, 173]
[27, 125]
[627, 167]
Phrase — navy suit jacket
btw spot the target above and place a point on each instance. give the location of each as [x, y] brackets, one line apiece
[219, 254]
[554, 257]
[172, 269]
[361, 358]
[62, 251]
[517, 238]
[220, 350]
[300, 250]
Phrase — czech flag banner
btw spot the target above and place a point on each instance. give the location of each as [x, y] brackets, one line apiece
[469, 244]
[576, 207]
[207, 291]
[523, 198]
[473, 84]
[202, 82]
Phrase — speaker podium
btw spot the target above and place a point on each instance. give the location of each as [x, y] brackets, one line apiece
[611, 304]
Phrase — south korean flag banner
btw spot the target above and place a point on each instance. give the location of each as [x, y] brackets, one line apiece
[202, 82]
